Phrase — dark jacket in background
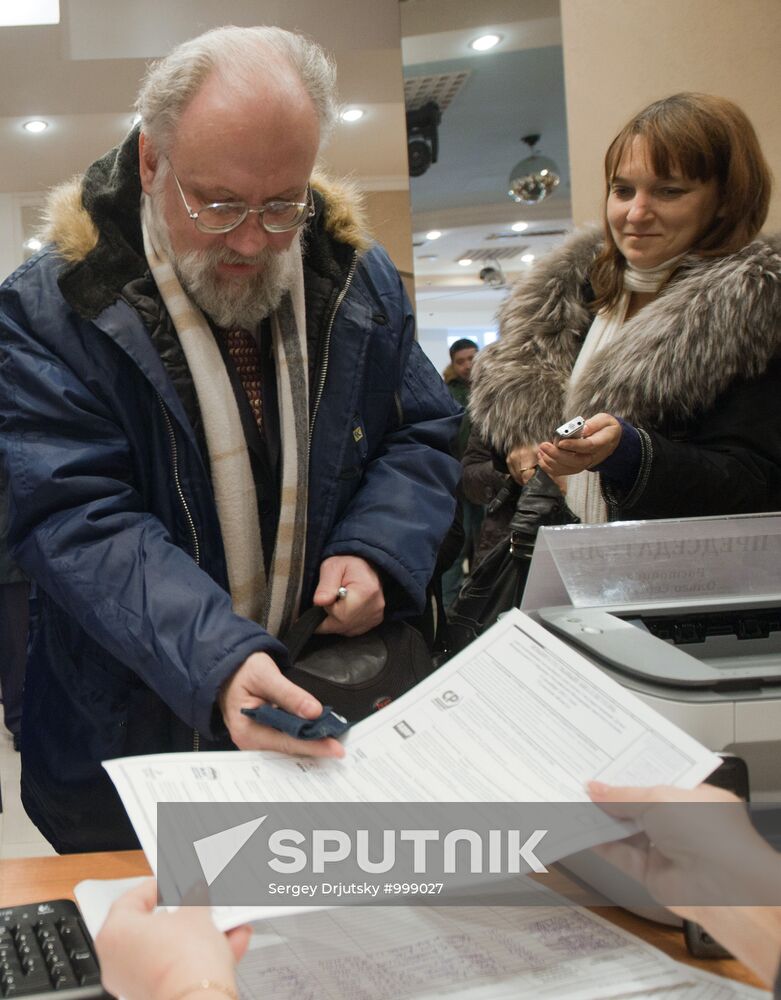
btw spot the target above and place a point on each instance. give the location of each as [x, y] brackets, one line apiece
[480, 482]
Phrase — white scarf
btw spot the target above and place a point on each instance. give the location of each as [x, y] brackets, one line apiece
[584, 492]
[273, 603]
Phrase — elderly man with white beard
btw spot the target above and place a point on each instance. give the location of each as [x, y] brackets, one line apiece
[214, 414]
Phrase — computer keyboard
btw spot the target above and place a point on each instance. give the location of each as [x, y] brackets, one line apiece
[44, 949]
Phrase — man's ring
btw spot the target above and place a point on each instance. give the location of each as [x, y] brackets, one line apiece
[341, 593]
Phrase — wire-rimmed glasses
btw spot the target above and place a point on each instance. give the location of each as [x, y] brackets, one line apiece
[275, 216]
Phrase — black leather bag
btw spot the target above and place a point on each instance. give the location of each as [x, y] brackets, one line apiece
[360, 674]
[496, 584]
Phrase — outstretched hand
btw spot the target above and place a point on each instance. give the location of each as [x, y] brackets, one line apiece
[257, 681]
[148, 955]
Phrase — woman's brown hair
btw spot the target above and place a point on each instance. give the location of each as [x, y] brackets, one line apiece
[705, 138]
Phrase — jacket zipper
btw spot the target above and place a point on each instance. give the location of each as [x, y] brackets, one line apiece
[327, 346]
[188, 515]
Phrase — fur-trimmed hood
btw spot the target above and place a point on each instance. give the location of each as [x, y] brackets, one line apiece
[718, 320]
[93, 222]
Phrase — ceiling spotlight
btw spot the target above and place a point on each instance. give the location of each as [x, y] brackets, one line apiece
[33, 244]
[433, 234]
[485, 42]
[465, 261]
[422, 137]
[534, 177]
[527, 258]
[37, 125]
[352, 114]
[520, 227]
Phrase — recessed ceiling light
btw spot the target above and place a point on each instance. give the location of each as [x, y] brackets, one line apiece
[36, 126]
[352, 114]
[485, 42]
[527, 258]
[29, 12]
[520, 227]
[433, 234]
[465, 261]
[33, 244]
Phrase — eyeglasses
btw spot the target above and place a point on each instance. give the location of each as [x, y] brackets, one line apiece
[275, 216]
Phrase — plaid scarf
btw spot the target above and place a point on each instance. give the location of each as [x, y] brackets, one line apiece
[273, 603]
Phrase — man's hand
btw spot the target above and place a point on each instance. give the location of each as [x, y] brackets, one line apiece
[361, 608]
[257, 681]
[601, 434]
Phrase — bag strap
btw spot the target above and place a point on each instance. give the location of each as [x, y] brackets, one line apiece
[302, 630]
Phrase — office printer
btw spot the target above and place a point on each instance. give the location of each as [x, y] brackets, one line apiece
[704, 652]
[711, 667]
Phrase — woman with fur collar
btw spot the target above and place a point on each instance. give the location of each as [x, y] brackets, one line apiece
[665, 332]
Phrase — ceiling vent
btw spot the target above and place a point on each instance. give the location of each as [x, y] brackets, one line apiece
[526, 235]
[440, 88]
[489, 253]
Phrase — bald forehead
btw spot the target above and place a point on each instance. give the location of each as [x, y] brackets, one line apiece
[273, 89]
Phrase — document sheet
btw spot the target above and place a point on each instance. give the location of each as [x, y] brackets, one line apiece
[544, 952]
[518, 716]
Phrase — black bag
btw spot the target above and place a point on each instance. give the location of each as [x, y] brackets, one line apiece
[356, 675]
[496, 583]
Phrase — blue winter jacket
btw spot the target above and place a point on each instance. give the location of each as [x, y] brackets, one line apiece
[112, 510]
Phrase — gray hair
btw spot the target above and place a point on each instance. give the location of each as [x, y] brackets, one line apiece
[236, 54]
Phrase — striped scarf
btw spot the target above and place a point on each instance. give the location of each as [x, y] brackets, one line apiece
[273, 603]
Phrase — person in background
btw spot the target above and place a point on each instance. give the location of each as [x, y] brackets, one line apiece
[674, 858]
[458, 380]
[214, 414]
[663, 330]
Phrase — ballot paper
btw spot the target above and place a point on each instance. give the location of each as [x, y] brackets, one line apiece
[518, 716]
[559, 952]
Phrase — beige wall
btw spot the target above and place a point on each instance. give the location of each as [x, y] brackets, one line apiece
[391, 225]
[620, 55]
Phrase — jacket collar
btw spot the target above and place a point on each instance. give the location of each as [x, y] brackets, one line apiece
[717, 321]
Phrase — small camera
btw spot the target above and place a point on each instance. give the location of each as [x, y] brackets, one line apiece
[572, 429]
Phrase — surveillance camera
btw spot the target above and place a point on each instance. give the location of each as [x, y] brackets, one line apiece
[422, 137]
[418, 156]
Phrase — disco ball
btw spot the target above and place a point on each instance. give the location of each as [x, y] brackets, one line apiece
[533, 179]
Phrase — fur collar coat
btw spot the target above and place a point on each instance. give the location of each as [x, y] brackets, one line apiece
[716, 323]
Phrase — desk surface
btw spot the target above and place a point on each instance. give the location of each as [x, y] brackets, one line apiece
[27, 880]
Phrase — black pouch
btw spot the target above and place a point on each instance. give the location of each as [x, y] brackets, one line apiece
[497, 582]
[356, 675]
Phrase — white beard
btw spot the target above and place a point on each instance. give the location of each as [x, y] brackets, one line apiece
[230, 303]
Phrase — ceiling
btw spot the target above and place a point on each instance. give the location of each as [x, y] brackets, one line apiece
[82, 76]
[513, 90]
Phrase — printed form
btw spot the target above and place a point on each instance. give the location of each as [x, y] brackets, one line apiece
[548, 952]
[518, 716]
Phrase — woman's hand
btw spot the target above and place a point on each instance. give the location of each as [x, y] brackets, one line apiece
[146, 955]
[522, 463]
[600, 438]
[694, 860]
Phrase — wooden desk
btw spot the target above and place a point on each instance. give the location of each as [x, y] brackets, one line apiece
[28, 880]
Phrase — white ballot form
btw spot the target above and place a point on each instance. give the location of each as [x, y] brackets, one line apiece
[518, 716]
